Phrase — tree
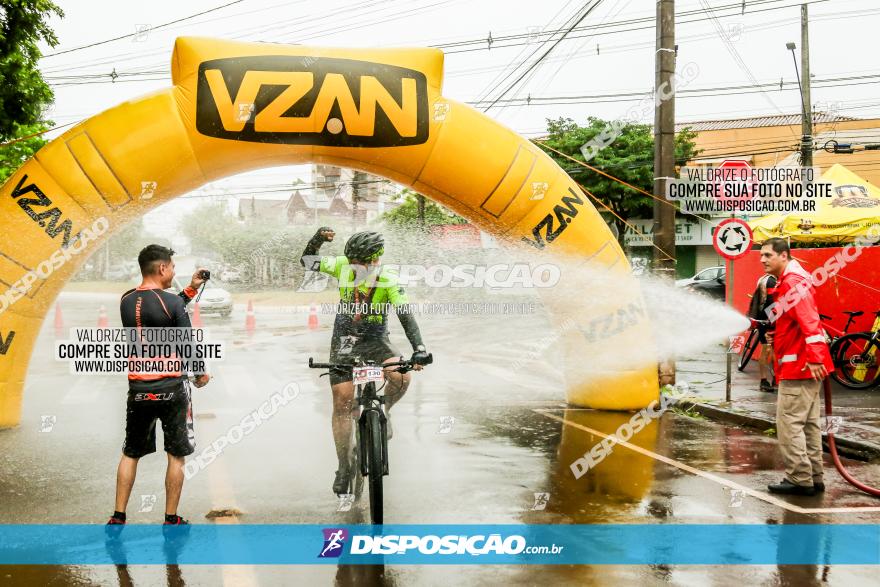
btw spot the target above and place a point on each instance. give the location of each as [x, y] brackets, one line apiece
[24, 94]
[406, 216]
[14, 155]
[624, 150]
[267, 252]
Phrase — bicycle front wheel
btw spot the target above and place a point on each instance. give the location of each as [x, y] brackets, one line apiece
[749, 349]
[855, 357]
[375, 443]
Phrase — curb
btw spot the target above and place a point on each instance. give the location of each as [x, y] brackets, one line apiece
[855, 449]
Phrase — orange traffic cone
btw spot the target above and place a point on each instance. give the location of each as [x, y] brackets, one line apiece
[313, 317]
[197, 316]
[59, 320]
[250, 321]
[102, 317]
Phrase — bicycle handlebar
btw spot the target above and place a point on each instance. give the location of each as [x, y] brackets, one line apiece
[404, 364]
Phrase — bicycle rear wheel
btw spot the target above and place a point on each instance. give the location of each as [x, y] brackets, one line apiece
[855, 357]
[749, 349]
[376, 465]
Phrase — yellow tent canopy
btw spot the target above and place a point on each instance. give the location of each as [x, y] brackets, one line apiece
[853, 209]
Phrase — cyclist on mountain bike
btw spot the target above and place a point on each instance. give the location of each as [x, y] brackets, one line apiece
[362, 329]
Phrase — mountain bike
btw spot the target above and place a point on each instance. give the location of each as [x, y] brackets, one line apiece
[855, 357]
[369, 451]
[852, 376]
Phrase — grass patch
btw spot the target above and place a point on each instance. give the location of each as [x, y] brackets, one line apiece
[689, 412]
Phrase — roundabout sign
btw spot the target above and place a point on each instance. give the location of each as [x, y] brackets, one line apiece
[733, 238]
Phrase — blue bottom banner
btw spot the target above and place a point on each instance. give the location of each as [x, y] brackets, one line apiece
[601, 544]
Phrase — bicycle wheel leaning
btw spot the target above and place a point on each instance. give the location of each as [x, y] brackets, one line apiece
[749, 348]
[376, 465]
[855, 361]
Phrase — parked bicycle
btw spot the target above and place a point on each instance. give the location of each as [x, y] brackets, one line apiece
[369, 453]
[855, 356]
[855, 365]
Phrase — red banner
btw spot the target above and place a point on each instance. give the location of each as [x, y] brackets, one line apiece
[855, 287]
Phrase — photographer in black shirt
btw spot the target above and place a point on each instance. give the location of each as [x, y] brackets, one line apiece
[152, 396]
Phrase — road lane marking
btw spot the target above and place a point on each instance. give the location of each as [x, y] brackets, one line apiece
[766, 497]
[223, 497]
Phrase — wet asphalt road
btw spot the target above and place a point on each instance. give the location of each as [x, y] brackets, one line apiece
[474, 442]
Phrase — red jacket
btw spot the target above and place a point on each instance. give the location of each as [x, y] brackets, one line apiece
[798, 338]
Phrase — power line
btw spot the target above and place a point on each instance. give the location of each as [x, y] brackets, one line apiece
[547, 52]
[138, 33]
[625, 96]
[482, 41]
[496, 81]
[734, 53]
[647, 27]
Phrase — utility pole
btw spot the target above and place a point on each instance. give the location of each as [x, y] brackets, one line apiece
[807, 115]
[664, 154]
[356, 181]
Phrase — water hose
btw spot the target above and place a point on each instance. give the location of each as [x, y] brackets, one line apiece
[832, 446]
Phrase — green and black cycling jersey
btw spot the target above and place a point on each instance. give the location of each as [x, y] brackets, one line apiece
[375, 289]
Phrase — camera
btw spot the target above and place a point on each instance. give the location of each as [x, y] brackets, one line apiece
[204, 274]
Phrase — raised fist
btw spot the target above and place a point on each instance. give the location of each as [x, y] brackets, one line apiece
[326, 233]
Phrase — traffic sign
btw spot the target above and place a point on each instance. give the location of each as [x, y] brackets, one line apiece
[732, 238]
[735, 180]
[737, 344]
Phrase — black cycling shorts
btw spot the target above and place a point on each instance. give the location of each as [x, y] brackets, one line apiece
[171, 405]
[368, 348]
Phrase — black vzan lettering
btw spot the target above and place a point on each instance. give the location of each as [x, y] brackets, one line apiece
[562, 215]
[53, 215]
[294, 99]
[5, 344]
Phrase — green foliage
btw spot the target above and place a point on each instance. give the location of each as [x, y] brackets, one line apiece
[688, 412]
[23, 93]
[630, 157]
[128, 242]
[267, 253]
[14, 155]
[406, 216]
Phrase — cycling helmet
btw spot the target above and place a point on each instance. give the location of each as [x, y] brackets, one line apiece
[364, 246]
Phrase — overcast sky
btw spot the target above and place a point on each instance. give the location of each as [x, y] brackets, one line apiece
[843, 44]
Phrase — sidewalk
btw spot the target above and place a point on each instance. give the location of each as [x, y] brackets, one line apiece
[705, 374]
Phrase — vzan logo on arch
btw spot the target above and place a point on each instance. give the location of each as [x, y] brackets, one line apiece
[312, 101]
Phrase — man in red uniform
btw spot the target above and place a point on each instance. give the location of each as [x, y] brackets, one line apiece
[802, 362]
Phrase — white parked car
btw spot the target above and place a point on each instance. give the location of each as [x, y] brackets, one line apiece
[708, 274]
[214, 300]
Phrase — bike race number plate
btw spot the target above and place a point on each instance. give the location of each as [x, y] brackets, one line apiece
[361, 375]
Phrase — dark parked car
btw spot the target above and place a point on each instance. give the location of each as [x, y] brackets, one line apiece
[714, 288]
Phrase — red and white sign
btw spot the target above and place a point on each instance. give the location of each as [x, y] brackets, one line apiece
[737, 344]
[732, 238]
[735, 180]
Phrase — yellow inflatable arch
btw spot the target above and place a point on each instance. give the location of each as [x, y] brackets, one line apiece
[235, 107]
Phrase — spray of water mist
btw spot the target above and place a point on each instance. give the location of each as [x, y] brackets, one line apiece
[595, 317]
[685, 322]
